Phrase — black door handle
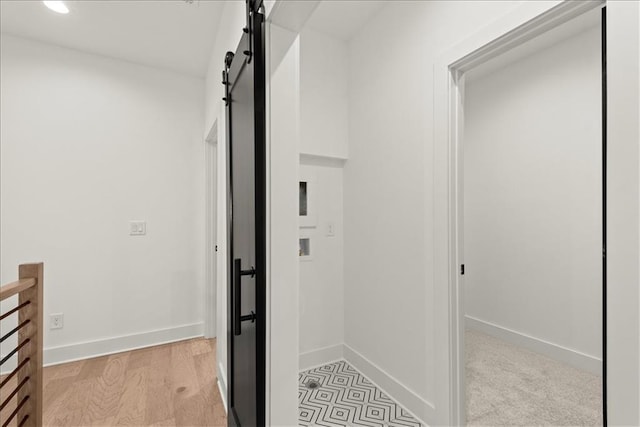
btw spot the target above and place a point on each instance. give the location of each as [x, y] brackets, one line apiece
[238, 318]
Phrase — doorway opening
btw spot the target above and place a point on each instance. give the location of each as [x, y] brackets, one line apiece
[349, 246]
[529, 203]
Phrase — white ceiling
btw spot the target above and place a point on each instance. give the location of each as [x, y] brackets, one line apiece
[160, 33]
[343, 18]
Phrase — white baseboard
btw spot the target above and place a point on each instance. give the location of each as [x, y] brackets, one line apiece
[89, 349]
[106, 346]
[420, 408]
[319, 357]
[222, 384]
[572, 357]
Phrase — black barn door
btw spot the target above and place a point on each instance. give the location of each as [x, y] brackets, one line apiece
[244, 77]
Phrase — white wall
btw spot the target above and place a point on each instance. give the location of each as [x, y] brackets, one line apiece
[227, 39]
[322, 278]
[323, 146]
[533, 190]
[389, 292]
[282, 230]
[88, 144]
[323, 95]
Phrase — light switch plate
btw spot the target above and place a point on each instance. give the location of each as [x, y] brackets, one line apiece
[137, 228]
[331, 229]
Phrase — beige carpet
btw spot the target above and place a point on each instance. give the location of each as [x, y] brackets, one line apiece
[511, 386]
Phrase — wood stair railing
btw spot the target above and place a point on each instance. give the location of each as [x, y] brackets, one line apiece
[21, 389]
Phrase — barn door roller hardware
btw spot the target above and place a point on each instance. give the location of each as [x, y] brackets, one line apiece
[248, 29]
[252, 7]
[228, 58]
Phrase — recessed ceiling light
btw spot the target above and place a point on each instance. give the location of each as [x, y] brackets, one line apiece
[57, 6]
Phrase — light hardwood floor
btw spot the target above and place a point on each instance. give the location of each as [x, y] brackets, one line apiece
[167, 385]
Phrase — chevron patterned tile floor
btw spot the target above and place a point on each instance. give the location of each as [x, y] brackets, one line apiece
[338, 395]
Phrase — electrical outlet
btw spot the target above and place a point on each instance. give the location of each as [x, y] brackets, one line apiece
[56, 321]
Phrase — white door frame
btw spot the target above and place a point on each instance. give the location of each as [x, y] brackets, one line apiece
[523, 23]
[283, 120]
[211, 229]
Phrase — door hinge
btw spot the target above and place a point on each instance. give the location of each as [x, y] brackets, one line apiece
[216, 248]
[462, 269]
